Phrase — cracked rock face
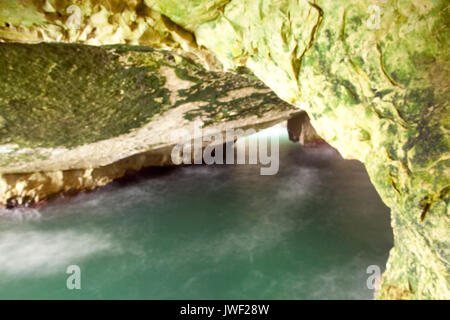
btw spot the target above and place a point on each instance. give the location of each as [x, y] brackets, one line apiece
[375, 83]
[97, 22]
[379, 94]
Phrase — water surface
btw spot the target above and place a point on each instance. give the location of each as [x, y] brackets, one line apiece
[206, 232]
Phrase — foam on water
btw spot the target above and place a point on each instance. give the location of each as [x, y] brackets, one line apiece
[205, 232]
[31, 253]
[19, 214]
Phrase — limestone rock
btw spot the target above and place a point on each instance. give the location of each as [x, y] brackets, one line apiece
[77, 111]
[98, 22]
[373, 75]
[374, 78]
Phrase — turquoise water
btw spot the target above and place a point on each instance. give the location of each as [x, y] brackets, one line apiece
[206, 232]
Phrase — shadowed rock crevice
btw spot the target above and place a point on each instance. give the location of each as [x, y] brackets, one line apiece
[300, 130]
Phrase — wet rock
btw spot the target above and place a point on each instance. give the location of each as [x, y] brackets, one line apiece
[373, 77]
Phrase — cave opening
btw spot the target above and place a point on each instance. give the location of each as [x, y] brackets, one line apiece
[315, 230]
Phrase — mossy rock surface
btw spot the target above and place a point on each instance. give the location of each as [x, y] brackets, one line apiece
[378, 92]
[374, 78]
[69, 95]
[58, 98]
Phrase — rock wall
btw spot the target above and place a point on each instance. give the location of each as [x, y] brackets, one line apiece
[98, 22]
[28, 189]
[373, 76]
[75, 117]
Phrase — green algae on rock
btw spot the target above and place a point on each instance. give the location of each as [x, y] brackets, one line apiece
[70, 110]
[378, 94]
[66, 95]
[98, 22]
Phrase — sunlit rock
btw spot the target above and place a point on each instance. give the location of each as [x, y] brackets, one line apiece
[375, 82]
[372, 75]
[75, 117]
